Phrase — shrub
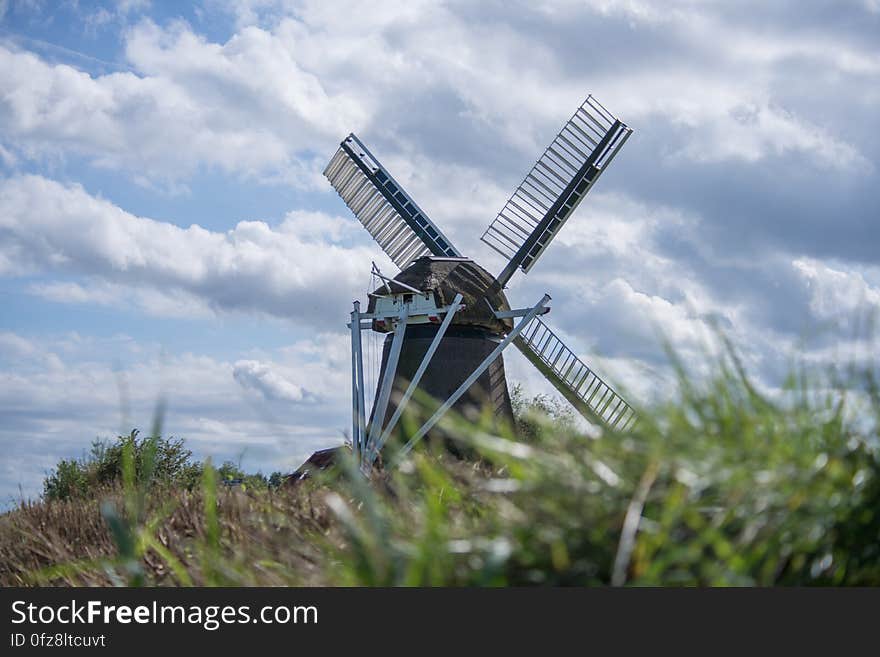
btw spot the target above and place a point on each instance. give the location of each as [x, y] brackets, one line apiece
[168, 460]
[70, 479]
[231, 474]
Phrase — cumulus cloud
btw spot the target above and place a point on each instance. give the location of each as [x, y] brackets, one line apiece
[752, 132]
[166, 303]
[287, 271]
[245, 107]
[271, 100]
[14, 345]
[254, 375]
[837, 292]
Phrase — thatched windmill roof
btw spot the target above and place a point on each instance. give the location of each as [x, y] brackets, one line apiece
[446, 277]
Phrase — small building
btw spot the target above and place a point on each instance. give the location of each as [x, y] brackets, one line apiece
[320, 460]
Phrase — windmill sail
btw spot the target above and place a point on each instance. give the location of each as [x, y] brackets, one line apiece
[388, 213]
[556, 184]
[575, 380]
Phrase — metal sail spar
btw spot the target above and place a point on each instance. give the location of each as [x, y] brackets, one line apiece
[555, 186]
[388, 213]
[579, 384]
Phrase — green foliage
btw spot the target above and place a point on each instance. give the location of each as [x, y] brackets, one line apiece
[532, 413]
[231, 474]
[167, 460]
[276, 480]
[722, 486]
[70, 479]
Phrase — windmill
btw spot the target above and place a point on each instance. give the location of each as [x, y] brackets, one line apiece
[447, 319]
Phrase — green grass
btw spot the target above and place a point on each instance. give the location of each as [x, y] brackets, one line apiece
[721, 486]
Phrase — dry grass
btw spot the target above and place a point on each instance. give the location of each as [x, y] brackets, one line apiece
[266, 538]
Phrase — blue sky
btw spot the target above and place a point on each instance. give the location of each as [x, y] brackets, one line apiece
[165, 230]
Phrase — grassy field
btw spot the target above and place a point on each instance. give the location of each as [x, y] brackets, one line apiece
[721, 486]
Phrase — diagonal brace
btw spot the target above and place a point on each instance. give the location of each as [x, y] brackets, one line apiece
[482, 367]
[417, 377]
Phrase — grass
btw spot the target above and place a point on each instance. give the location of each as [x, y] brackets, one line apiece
[722, 486]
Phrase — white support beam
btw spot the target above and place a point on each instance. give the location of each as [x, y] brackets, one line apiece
[381, 405]
[384, 279]
[388, 280]
[355, 436]
[366, 318]
[518, 312]
[357, 384]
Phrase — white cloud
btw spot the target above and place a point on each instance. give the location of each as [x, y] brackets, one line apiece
[835, 292]
[727, 119]
[245, 107]
[649, 316]
[14, 345]
[7, 157]
[745, 42]
[751, 132]
[254, 375]
[272, 100]
[69, 292]
[128, 6]
[289, 271]
[167, 303]
[707, 88]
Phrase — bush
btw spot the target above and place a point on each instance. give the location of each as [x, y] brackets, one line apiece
[70, 479]
[168, 460]
[231, 474]
[531, 413]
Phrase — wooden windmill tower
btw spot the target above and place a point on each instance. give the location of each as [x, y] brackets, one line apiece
[447, 319]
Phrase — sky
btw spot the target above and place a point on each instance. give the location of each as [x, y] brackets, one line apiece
[166, 233]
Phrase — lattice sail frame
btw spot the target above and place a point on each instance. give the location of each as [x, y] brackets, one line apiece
[555, 185]
[389, 214]
[583, 388]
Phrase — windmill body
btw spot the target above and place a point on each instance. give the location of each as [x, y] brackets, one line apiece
[471, 336]
[447, 319]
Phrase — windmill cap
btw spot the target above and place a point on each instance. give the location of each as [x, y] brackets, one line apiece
[446, 277]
